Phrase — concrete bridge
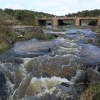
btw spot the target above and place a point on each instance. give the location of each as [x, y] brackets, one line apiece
[57, 21]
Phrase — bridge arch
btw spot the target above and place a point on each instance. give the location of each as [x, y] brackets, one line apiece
[41, 22]
[62, 22]
[91, 22]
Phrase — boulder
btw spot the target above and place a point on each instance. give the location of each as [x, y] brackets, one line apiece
[63, 91]
[18, 60]
[79, 77]
[55, 35]
[79, 80]
[32, 98]
[3, 90]
[92, 76]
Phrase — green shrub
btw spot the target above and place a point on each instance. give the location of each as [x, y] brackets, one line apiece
[3, 46]
[1, 20]
[94, 91]
[44, 37]
[7, 37]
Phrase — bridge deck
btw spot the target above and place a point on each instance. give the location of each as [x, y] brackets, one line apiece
[64, 18]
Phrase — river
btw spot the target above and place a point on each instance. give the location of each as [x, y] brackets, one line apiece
[33, 67]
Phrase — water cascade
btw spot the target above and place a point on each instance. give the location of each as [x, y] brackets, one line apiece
[33, 68]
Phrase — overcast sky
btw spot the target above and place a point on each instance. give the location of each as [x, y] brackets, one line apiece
[56, 7]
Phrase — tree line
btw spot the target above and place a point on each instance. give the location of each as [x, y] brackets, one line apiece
[28, 17]
[23, 16]
[85, 13]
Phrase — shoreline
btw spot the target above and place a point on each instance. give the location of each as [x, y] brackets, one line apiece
[6, 44]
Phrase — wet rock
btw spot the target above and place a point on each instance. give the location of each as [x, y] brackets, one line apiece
[65, 84]
[18, 60]
[64, 91]
[49, 50]
[97, 67]
[20, 92]
[32, 98]
[55, 35]
[54, 68]
[86, 63]
[3, 90]
[49, 97]
[79, 80]
[92, 76]
[79, 77]
[39, 30]
[46, 97]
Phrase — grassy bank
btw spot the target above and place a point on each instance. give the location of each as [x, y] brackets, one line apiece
[8, 38]
[94, 91]
[91, 93]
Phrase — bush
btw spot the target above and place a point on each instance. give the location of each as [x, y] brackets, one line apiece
[94, 91]
[6, 38]
[44, 37]
[3, 46]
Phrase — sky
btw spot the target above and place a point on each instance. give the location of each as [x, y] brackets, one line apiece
[56, 7]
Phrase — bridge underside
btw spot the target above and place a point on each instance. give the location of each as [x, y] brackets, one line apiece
[42, 22]
[89, 22]
[49, 22]
[77, 21]
[65, 22]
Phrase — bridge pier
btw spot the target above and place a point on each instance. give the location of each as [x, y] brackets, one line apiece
[98, 22]
[54, 21]
[77, 21]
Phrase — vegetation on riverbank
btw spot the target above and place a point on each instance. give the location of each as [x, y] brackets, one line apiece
[5, 37]
[8, 37]
[91, 93]
[94, 91]
[9, 17]
[43, 36]
[24, 17]
[95, 41]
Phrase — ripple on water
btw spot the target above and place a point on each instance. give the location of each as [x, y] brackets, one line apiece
[91, 52]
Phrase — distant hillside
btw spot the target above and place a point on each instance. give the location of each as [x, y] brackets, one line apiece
[85, 13]
[20, 16]
[27, 17]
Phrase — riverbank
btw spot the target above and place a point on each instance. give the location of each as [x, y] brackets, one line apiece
[95, 41]
[35, 60]
[10, 35]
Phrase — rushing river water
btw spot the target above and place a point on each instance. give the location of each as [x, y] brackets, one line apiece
[33, 67]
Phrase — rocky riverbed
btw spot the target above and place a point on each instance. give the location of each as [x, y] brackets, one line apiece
[57, 69]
